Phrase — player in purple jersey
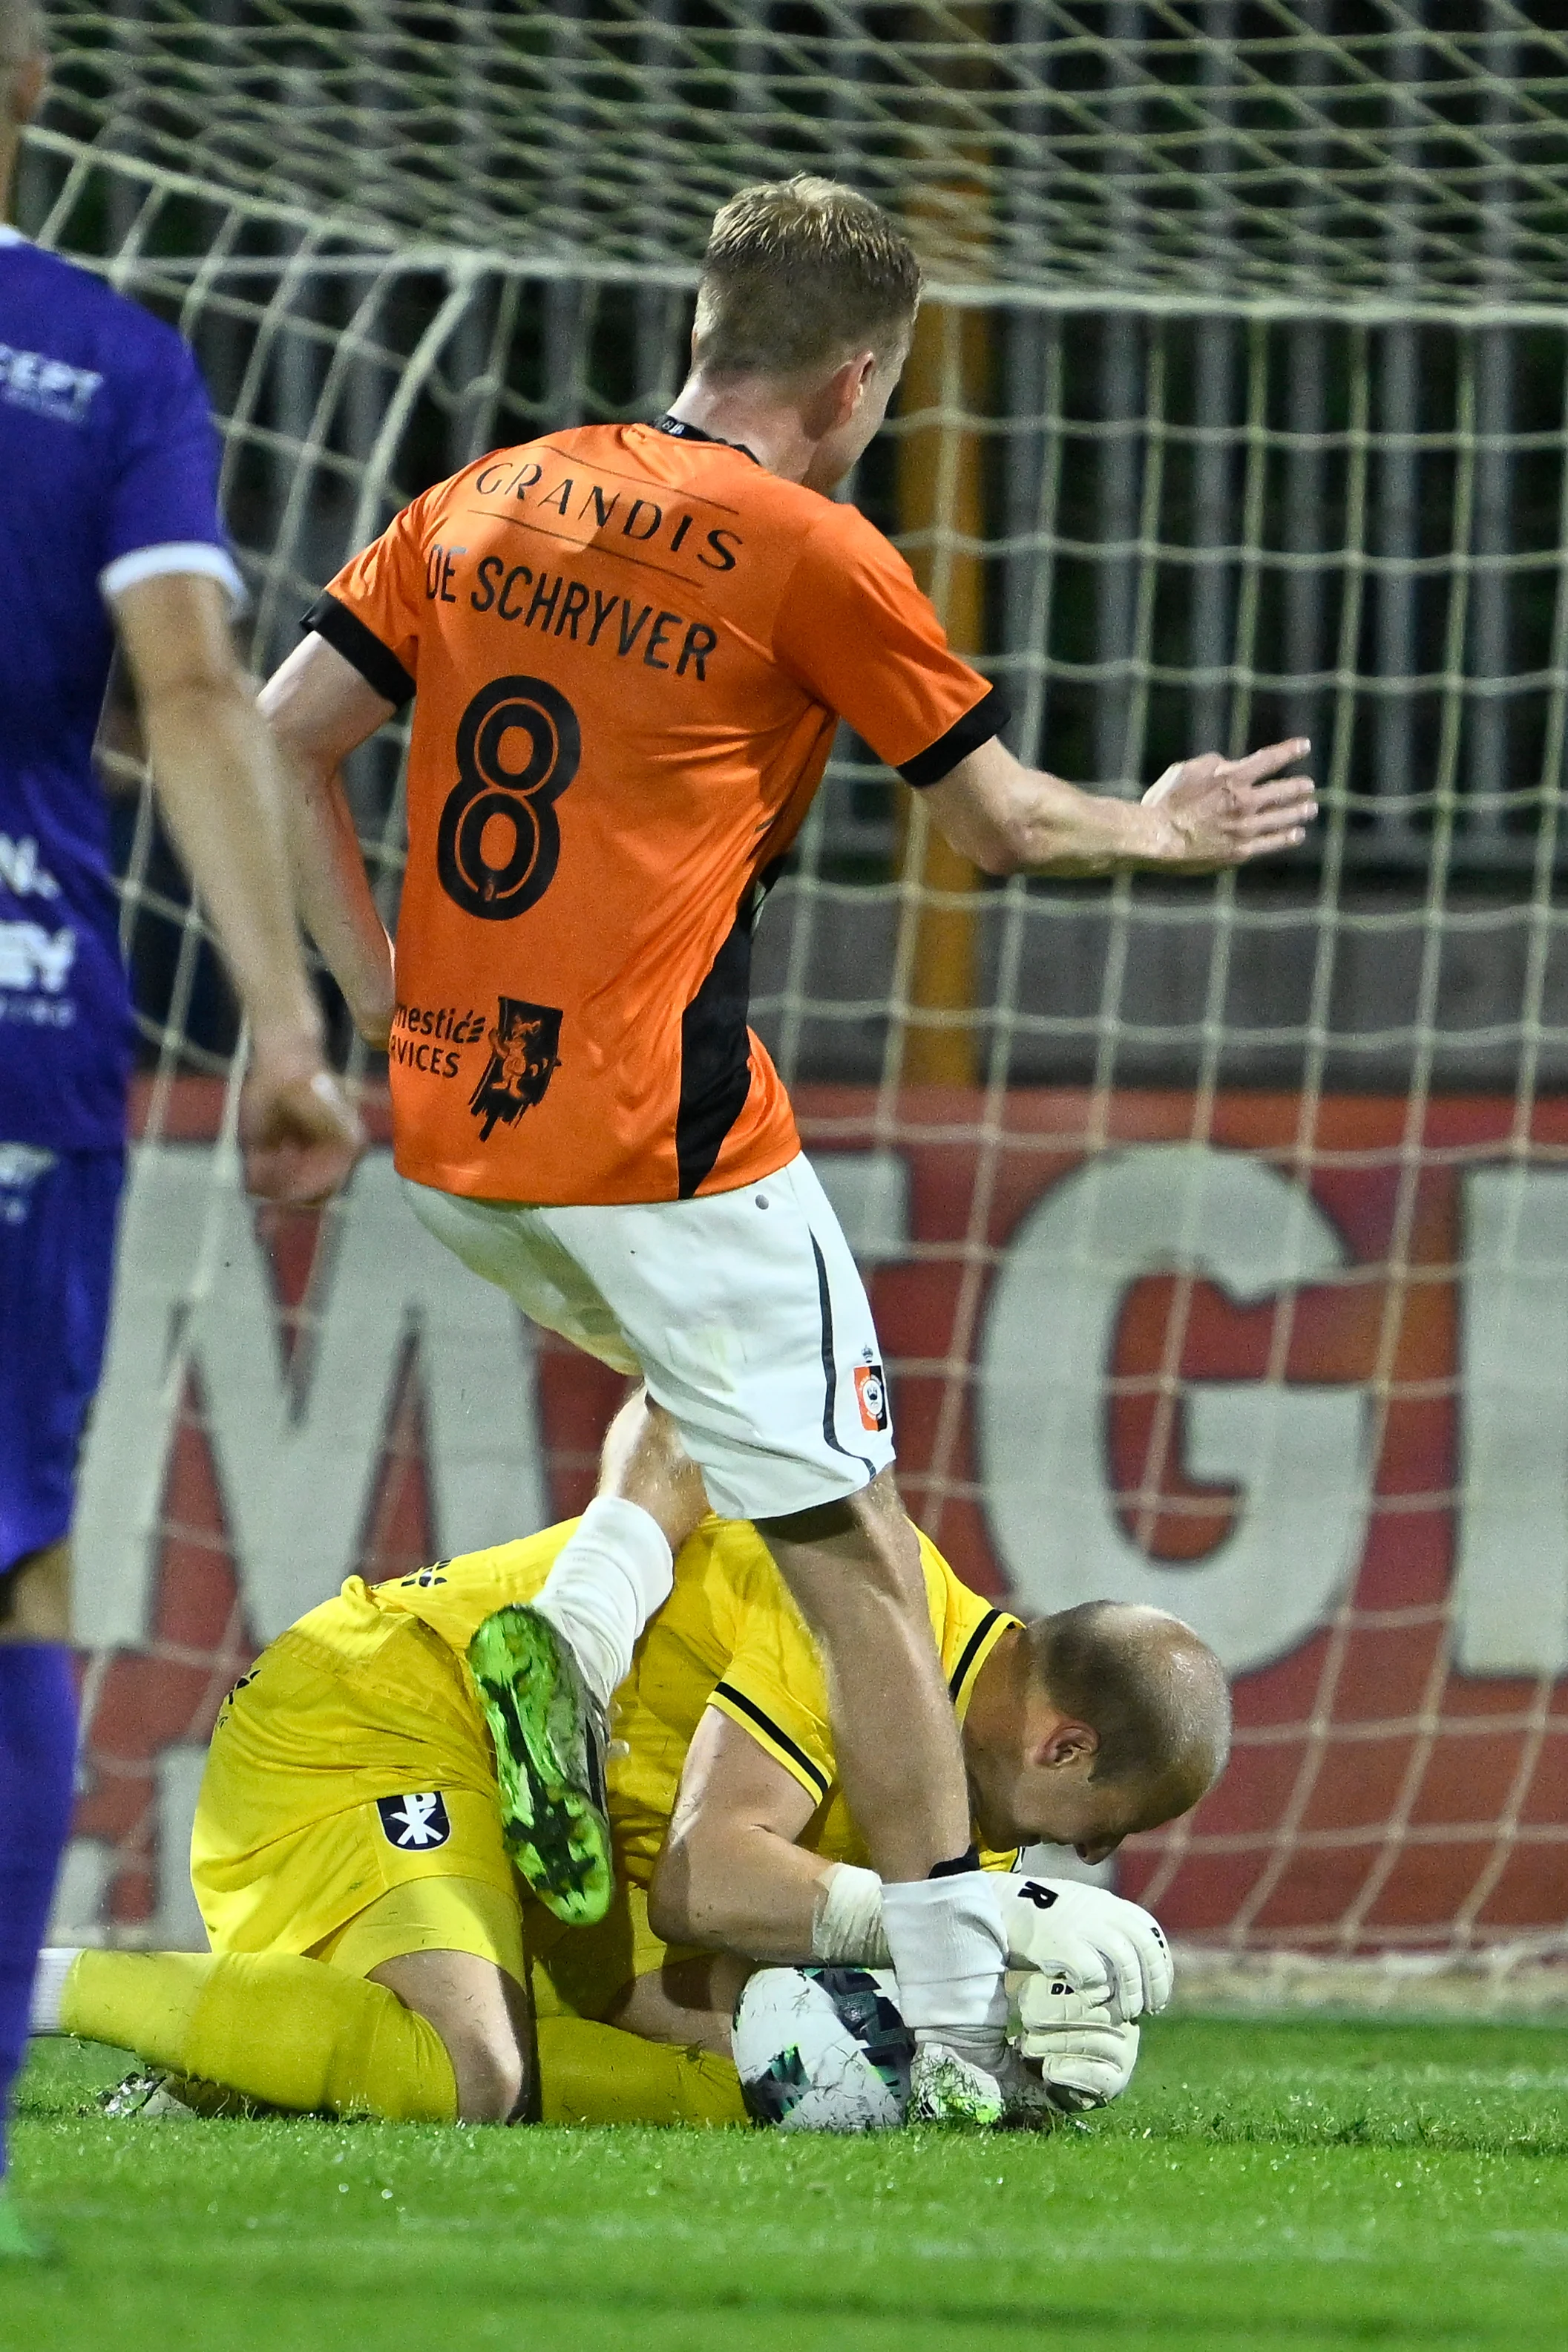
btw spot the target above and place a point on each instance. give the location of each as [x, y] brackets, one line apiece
[108, 527]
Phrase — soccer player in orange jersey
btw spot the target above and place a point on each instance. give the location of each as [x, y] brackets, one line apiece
[628, 647]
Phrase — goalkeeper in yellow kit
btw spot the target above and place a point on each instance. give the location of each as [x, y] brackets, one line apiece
[374, 1950]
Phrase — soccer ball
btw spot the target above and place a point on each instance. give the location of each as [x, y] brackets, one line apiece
[823, 2050]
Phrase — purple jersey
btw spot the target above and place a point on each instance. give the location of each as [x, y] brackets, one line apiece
[108, 475]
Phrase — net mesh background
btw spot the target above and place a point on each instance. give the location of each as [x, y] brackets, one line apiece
[1236, 410]
[1180, 150]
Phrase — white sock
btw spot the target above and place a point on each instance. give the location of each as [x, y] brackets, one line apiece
[950, 1957]
[48, 1984]
[610, 1576]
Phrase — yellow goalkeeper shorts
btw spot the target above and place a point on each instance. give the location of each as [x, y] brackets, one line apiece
[352, 1760]
[347, 1812]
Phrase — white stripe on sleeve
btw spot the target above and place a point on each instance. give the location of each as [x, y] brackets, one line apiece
[177, 555]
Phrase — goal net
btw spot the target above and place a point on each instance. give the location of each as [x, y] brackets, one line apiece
[1218, 1234]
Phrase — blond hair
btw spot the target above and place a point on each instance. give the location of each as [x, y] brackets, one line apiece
[799, 273]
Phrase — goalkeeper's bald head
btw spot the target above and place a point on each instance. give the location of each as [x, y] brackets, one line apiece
[1092, 1723]
[1152, 1692]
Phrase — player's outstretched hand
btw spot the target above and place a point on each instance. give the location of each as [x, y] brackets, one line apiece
[1220, 813]
[1112, 1950]
[299, 1133]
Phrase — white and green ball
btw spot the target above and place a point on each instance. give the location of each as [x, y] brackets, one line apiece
[823, 2050]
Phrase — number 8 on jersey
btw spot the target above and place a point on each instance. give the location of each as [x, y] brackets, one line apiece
[491, 799]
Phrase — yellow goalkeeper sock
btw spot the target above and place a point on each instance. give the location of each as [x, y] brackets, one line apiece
[292, 2032]
[596, 2075]
[296, 2033]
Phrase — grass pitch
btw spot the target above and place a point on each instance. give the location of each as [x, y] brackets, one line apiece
[1297, 2185]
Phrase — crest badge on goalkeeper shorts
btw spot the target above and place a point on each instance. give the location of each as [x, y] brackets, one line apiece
[415, 1824]
[871, 1395]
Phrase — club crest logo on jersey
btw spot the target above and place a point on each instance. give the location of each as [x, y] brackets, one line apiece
[871, 1395]
[423, 1579]
[525, 1053]
[244, 1684]
[415, 1824]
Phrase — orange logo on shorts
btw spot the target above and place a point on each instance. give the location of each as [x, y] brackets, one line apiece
[871, 1395]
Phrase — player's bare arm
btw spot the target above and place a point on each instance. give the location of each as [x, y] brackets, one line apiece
[320, 709]
[731, 1877]
[853, 1569]
[217, 785]
[732, 1880]
[1204, 814]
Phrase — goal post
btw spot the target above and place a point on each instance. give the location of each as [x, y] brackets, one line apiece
[1217, 1232]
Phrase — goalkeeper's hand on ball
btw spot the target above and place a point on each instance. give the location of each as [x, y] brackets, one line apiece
[1066, 2054]
[1113, 1950]
[1110, 1950]
[1083, 2055]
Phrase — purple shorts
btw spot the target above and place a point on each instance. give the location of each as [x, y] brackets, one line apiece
[58, 1217]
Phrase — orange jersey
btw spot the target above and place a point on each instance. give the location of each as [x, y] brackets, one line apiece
[628, 648]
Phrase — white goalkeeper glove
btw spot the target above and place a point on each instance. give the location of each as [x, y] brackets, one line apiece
[1109, 1949]
[1113, 1950]
[1084, 2056]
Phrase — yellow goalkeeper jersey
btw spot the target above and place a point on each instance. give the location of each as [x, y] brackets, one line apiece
[729, 1636]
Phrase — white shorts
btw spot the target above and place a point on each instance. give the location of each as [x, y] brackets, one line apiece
[744, 1312]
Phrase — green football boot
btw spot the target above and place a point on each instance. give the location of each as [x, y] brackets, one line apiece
[18, 2242]
[945, 2088]
[550, 1737]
